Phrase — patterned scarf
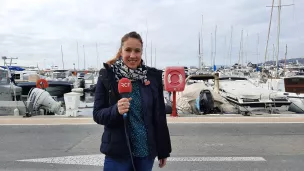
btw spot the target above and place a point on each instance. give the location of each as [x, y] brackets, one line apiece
[123, 71]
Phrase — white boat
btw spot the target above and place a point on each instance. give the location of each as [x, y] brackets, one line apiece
[200, 98]
[292, 88]
[250, 98]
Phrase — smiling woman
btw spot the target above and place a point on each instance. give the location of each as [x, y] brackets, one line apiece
[130, 50]
[137, 139]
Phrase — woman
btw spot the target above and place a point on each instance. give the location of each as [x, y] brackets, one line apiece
[146, 120]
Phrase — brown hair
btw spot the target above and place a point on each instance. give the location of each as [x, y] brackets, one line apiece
[132, 34]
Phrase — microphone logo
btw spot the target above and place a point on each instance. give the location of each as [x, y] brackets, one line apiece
[125, 84]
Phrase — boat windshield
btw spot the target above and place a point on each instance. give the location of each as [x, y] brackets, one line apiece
[3, 77]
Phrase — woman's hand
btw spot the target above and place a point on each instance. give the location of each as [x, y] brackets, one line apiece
[162, 163]
[123, 105]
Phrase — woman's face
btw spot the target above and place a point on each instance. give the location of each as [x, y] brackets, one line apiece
[131, 52]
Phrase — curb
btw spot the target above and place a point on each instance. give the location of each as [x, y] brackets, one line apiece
[170, 120]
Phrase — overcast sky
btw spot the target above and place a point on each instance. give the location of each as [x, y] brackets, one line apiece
[34, 30]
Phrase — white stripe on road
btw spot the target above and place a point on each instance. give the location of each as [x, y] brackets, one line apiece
[224, 122]
[57, 124]
[98, 159]
[215, 159]
[51, 124]
[89, 160]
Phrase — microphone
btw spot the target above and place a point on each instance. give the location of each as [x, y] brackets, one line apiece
[124, 89]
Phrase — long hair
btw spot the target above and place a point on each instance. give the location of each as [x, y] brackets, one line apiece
[132, 34]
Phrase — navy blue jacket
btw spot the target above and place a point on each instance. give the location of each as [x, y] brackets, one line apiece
[113, 141]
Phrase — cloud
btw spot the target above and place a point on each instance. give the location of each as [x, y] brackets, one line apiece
[34, 30]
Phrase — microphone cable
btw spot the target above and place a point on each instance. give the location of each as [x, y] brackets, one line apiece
[128, 140]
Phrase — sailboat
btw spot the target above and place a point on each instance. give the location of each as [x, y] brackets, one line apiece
[292, 87]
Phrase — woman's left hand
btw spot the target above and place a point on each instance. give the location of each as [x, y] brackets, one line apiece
[162, 162]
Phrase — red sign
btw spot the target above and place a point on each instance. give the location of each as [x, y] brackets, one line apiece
[174, 79]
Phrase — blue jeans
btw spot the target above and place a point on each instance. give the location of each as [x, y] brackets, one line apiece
[141, 164]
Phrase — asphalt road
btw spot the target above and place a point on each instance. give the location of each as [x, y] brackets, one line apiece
[216, 147]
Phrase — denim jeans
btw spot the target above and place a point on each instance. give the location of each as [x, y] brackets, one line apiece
[141, 164]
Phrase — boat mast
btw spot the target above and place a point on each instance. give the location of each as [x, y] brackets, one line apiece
[241, 49]
[211, 61]
[246, 50]
[225, 52]
[199, 51]
[62, 58]
[97, 56]
[78, 55]
[230, 52]
[146, 43]
[285, 60]
[278, 39]
[84, 62]
[279, 6]
[151, 55]
[200, 47]
[266, 51]
[258, 48]
[155, 58]
[214, 45]
[273, 53]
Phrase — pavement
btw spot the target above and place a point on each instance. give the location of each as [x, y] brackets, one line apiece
[217, 146]
[205, 142]
[193, 119]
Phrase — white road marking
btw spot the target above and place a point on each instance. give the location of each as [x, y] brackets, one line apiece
[201, 122]
[224, 122]
[51, 124]
[98, 159]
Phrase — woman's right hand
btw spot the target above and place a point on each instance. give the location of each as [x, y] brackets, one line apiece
[123, 105]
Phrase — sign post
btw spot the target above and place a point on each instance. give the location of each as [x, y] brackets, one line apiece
[174, 111]
[174, 80]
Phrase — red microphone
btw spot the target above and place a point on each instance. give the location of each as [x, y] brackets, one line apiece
[124, 89]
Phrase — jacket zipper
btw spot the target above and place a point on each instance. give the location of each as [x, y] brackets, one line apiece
[144, 118]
